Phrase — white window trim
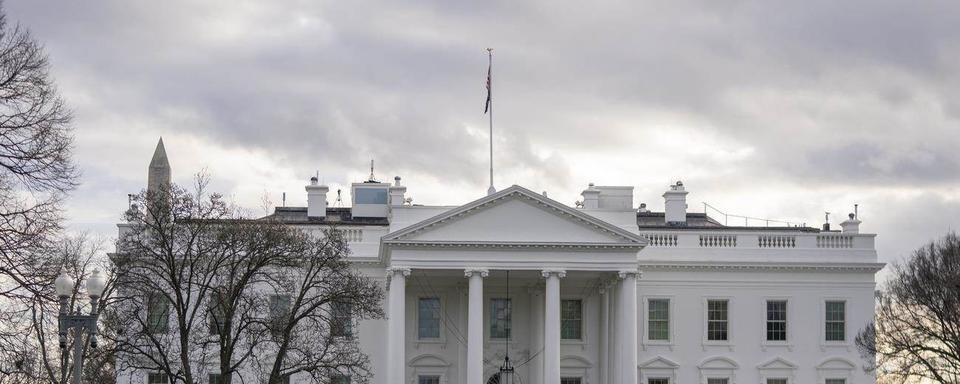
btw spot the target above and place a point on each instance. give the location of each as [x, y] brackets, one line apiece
[583, 320]
[421, 371]
[416, 320]
[823, 322]
[670, 320]
[764, 343]
[764, 378]
[730, 319]
[731, 378]
[488, 303]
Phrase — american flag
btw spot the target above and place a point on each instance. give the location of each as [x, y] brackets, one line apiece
[486, 106]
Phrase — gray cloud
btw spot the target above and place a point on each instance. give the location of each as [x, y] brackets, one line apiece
[855, 97]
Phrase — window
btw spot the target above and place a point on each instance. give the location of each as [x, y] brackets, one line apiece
[777, 381]
[339, 379]
[157, 378]
[836, 381]
[716, 380]
[158, 313]
[342, 314]
[571, 319]
[279, 310]
[658, 319]
[370, 196]
[776, 320]
[836, 321]
[428, 380]
[500, 314]
[215, 378]
[717, 320]
[659, 380]
[570, 380]
[428, 318]
[217, 314]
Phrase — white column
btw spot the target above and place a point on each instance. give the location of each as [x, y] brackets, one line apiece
[551, 326]
[628, 325]
[613, 349]
[604, 336]
[396, 340]
[536, 334]
[475, 325]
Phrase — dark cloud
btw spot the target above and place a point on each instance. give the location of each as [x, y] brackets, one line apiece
[851, 95]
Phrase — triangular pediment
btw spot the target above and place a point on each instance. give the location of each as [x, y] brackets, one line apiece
[659, 362]
[515, 215]
[777, 363]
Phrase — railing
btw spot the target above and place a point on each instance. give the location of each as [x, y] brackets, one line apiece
[777, 241]
[661, 239]
[352, 235]
[834, 241]
[758, 240]
[718, 241]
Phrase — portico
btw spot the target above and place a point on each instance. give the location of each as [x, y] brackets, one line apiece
[544, 244]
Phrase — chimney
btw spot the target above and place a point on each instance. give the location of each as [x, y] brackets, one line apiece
[591, 197]
[316, 199]
[851, 225]
[675, 205]
[396, 192]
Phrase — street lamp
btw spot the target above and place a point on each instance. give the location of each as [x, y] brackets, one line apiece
[69, 319]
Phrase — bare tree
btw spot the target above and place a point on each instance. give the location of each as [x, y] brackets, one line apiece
[323, 296]
[916, 331]
[168, 258]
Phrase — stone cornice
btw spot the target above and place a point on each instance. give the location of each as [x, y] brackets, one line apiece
[482, 272]
[825, 267]
[510, 245]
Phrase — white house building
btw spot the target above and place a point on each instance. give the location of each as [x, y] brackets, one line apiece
[600, 293]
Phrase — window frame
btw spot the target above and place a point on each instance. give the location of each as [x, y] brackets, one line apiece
[423, 376]
[350, 329]
[215, 302]
[166, 379]
[823, 321]
[705, 321]
[579, 379]
[667, 379]
[441, 338]
[274, 318]
[152, 298]
[490, 315]
[789, 321]
[582, 330]
[646, 320]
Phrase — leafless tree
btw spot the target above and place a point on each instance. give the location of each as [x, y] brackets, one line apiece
[33, 354]
[916, 331]
[314, 334]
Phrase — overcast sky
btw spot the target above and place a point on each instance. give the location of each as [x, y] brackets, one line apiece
[770, 109]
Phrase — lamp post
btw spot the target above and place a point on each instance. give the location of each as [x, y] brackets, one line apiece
[69, 319]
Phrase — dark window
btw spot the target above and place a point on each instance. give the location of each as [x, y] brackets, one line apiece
[279, 311]
[659, 380]
[340, 379]
[717, 320]
[500, 315]
[428, 380]
[158, 314]
[342, 319]
[777, 320]
[777, 381]
[570, 380]
[571, 319]
[215, 378]
[370, 196]
[658, 319]
[217, 314]
[157, 378]
[428, 318]
[723, 380]
[836, 318]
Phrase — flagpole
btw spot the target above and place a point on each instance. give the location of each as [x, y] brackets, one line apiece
[490, 190]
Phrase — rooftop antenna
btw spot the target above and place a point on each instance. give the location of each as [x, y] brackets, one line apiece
[339, 201]
[489, 108]
[856, 213]
[284, 200]
[372, 179]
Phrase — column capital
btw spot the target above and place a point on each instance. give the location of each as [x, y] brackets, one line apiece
[623, 274]
[391, 271]
[561, 273]
[482, 272]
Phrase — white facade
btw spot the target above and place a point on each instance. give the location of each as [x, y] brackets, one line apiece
[644, 283]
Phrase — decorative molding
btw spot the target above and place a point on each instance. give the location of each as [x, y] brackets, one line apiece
[508, 245]
[836, 267]
[517, 192]
[405, 271]
[623, 274]
[469, 272]
[561, 273]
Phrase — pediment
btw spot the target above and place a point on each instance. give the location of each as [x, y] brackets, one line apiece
[836, 363]
[514, 215]
[659, 362]
[718, 362]
[572, 361]
[428, 360]
[777, 363]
